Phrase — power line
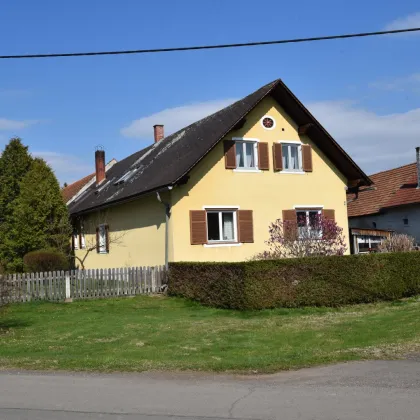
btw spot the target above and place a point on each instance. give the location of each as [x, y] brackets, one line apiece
[211, 47]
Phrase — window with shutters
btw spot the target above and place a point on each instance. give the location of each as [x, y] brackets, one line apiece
[221, 226]
[292, 157]
[308, 223]
[102, 239]
[246, 154]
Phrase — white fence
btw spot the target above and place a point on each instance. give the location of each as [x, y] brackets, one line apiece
[85, 284]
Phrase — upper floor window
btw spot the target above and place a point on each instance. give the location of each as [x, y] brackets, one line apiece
[292, 156]
[246, 155]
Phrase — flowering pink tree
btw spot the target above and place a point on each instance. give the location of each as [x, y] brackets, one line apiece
[318, 237]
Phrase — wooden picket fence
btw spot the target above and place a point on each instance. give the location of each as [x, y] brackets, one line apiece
[85, 284]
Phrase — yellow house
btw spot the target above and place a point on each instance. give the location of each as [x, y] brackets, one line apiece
[210, 191]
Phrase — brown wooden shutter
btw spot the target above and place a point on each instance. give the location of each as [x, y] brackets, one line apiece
[306, 158]
[72, 242]
[80, 239]
[107, 238]
[245, 226]
[230, 154]
[290, 224]
[328, 214]
[97, 240]
[263, 158]
[198, 227]
[277, 157]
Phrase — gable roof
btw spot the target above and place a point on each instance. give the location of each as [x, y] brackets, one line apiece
[395, 187]
[166, 162]
[72, 189]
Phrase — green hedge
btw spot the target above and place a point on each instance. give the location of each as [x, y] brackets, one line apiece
[321, 281]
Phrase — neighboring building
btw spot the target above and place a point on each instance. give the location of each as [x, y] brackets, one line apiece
[210, 191]
[392, 204]
[72, 191]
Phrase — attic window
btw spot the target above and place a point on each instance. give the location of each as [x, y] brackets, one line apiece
[268, 122]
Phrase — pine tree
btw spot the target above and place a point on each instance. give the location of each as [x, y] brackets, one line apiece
[40, 219]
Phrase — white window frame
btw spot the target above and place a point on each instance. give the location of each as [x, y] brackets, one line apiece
[102, 248]
[307, 210]
[292, 143]
[75, 240]
[235, 226]
[370, 239]
[268, 116]
[243, 141]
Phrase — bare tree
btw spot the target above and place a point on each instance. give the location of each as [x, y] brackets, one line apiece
[397, 242]
[290, 239]
[90, 226]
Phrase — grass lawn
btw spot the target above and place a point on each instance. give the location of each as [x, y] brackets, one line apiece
[159, 333]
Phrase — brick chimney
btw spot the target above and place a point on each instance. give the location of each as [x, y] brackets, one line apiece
[159, 132]
[100, 166]
[418, 166]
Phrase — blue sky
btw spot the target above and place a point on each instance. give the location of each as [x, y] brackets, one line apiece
[365, 91]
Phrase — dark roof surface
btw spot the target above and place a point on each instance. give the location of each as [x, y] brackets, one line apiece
[392, 188]
[164, 163]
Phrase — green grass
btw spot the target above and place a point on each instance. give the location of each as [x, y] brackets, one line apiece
[159, 333]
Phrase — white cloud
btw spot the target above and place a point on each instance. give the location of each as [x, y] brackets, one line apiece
[375, 142]
[410, 21]
[6, 124]
[400, 84]
[67, 168]
[173, 118]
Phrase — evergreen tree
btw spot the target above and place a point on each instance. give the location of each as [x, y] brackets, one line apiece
[39, 219]
[14, 164]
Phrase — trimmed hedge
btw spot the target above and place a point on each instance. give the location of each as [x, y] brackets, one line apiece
[315, 281]
[45, 260]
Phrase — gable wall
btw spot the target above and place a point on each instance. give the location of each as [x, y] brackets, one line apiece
[267, 193]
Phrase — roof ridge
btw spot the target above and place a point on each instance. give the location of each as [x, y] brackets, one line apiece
[392, 169]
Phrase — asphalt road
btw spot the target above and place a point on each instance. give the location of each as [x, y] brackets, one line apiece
[385, 390]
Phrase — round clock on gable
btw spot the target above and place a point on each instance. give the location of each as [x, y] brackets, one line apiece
[268, 123]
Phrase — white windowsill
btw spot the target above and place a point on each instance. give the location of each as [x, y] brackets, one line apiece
[248, 170]
[221, 244]
[292, 172]
[102, 252]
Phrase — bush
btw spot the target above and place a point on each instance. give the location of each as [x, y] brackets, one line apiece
[45, 260]
[296, 282]
[322, 237]
[398, 242]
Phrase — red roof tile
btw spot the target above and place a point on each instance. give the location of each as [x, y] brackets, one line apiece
[72, 189]
[394, 187]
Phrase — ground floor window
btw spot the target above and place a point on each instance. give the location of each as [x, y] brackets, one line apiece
[367, 244]
[221, 226]
[308, 223]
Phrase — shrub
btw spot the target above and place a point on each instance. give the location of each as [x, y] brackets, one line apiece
[398, 242]
[296, 282]
[45, 260]
[287, 239]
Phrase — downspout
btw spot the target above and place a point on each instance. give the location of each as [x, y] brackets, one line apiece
[167, 216]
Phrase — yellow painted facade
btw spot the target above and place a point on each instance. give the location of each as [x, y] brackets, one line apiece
[267, 193]
[136, 231]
